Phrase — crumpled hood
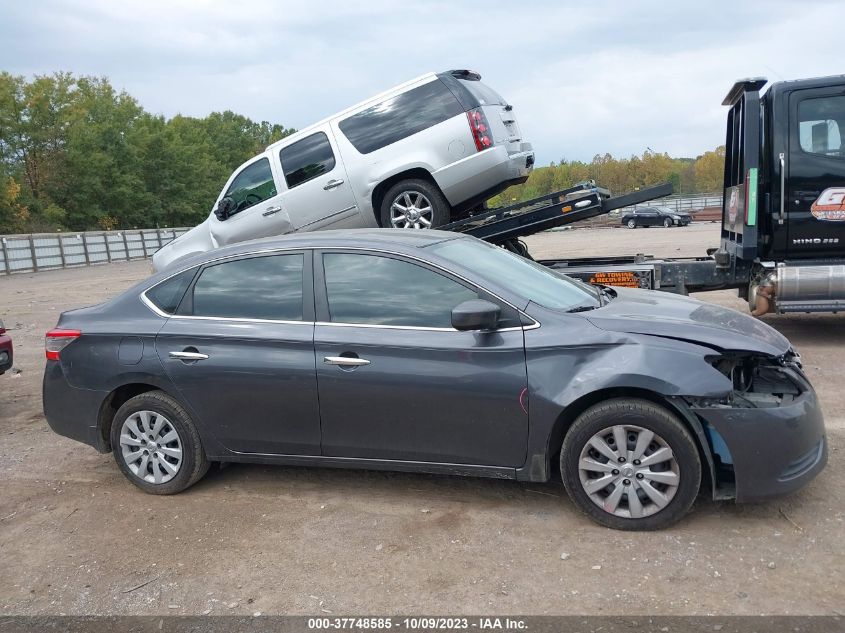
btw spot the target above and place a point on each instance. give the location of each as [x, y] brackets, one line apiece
[679, 317]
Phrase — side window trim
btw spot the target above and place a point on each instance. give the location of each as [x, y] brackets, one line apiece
[185, 309]
[321, 301]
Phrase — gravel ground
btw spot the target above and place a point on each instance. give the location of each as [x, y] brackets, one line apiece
[76, 538]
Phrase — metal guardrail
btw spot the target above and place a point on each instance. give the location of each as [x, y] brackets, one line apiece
[49, 251]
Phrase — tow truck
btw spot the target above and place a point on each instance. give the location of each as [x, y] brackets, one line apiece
[783, 216]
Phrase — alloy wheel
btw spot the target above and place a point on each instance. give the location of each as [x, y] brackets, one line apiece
[411, 210]
[151, 447]
[629, 471]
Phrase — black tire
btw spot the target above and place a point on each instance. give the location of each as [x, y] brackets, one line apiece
[440, 209]
[194, 462]
[631, 224]
[646, 415]
[667, 223]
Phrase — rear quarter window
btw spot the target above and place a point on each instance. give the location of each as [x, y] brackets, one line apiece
[167, 295]
[400, 116]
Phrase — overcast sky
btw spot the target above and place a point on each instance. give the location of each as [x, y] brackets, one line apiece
[584, 77]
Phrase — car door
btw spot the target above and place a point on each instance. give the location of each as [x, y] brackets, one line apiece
[397, 382]
[647, 217]
[318, 191]
[240, 351]
[815, 179]
[257, 205]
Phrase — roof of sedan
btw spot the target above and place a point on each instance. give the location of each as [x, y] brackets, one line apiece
[348, 238]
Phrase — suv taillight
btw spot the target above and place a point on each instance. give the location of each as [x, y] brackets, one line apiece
[480, 129]
[56, 340]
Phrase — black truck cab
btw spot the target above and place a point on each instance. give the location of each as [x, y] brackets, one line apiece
[784, 205]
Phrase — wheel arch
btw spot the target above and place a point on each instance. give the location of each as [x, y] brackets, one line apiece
[112, 402]
[674, 405]
[381, 189]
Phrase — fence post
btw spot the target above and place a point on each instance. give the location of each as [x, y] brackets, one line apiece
[158, 235]
[125, 245]
[108, 250]
[144, 243]
[33, 256]
[85, 249]
[6, 263]
[62, 250]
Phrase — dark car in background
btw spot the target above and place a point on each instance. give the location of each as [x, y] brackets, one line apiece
[6, 350]
[655, 216]
[432, 352]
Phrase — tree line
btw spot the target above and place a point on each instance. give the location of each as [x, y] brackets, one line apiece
[77, 154]
[621, 175]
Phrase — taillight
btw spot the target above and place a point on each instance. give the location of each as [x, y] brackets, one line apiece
[480, 129]
[56, 340]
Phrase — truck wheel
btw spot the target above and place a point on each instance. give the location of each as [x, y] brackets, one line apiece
[632, 224]
[156, 445]
[667, 223]
[630, 465]
[414, 204]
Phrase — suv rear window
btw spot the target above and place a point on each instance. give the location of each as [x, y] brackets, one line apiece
[484, 94]
[401, 116]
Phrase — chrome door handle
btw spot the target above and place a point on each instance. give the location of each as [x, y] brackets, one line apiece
[271, 211]
[188, 355]
[331, 184]
[345, 361]
[782, 188]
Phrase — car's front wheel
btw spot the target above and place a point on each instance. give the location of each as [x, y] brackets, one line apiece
[156, 444]
[414, 204]
[667, 223]
[632, 223]
[630, 465]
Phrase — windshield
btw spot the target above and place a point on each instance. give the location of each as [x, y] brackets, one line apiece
[521, 276]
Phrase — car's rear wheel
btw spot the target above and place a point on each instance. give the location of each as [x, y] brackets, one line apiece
[667, 223]
[414, 204]
[630, 465]
[632, 223]
[156, 444]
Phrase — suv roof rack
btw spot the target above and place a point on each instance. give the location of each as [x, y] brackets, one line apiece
[469, 75]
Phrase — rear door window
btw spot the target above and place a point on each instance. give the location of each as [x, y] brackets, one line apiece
[252, 185]
[267, 288]
[306, 159]
[401, 116]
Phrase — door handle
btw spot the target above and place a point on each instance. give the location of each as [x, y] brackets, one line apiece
[331, 184]
[188, 355]
[782, 188]
[345, 361]
[271, 211]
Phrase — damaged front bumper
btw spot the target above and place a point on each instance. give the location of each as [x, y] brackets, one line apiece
[768, 442]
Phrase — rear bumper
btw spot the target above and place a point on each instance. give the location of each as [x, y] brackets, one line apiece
[6, 353]
[493, 169]
[72, 412]
[775, 450]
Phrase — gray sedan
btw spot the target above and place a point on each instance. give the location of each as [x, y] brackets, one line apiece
[431, 352]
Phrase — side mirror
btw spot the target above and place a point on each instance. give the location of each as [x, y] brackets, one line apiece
[475, 314]
[224, 208]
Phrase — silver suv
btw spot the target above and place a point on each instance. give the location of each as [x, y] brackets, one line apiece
[417, 156]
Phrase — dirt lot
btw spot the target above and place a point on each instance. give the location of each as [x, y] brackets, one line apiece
[76, 538]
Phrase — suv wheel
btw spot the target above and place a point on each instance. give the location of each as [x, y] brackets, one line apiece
[632, 223]
[156, 444]
[630, 465]
[414, 204]
[667, 223]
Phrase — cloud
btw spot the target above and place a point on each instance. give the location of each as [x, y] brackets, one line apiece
[584, 78]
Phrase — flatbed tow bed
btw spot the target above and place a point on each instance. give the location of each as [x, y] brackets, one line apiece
[505, 225]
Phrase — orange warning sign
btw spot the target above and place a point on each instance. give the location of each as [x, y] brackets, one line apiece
[624, 278]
